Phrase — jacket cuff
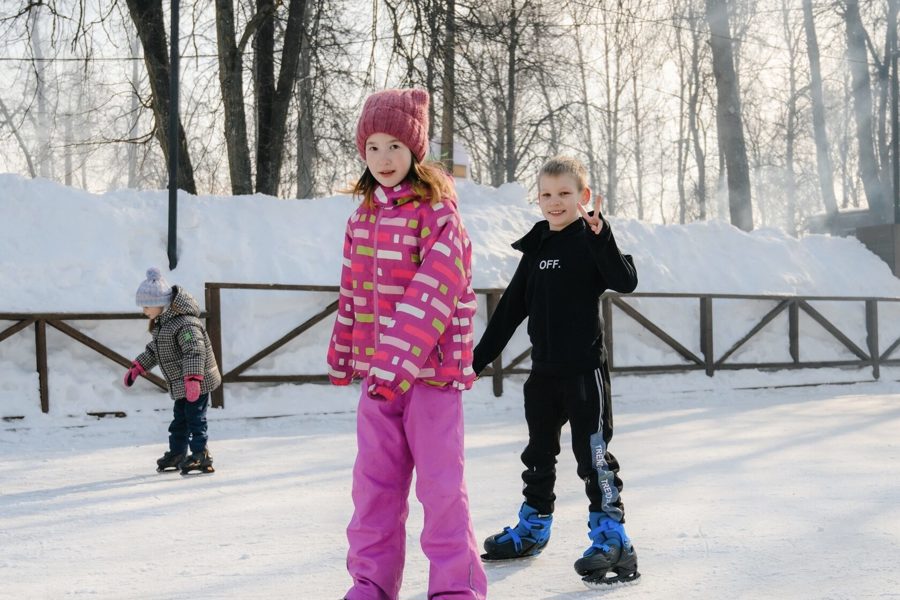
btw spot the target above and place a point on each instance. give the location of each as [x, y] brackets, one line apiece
[339, 380]
[379, 389]
[381, 392]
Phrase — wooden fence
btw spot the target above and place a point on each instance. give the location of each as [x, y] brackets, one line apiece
[707, 360]
[61, 322]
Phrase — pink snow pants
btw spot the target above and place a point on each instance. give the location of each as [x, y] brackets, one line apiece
[422, 429]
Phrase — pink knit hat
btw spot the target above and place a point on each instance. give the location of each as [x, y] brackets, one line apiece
[401, 113]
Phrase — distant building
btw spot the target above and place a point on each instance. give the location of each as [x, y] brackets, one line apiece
[460, 158]
[881, 237]
[844, 223]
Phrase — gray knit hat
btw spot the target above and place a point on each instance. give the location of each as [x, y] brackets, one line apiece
[154, 291]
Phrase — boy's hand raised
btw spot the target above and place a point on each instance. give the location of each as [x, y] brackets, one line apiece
[595, 222]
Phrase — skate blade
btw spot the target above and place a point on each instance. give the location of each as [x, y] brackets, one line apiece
[166, 469]
[203, 471]
[487, 558]
[603, 583]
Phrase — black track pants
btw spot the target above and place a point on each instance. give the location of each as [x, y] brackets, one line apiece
[586, 403]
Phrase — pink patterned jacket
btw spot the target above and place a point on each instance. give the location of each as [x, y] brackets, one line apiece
[406, 302]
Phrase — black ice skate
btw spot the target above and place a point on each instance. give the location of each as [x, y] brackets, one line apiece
[525, 540]
[170, 461]
[611, 559]
[198, 462]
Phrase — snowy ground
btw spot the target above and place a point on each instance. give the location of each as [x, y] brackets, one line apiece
[735, 487]
[730, 493]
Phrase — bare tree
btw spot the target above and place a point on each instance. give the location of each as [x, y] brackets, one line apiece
[273, 97]
[823, 156]
[615, 33]
[448, 122]
[43, 119]
[231, 79]
[307, 154]
[593, 166]
[862, 110]
[689, 28]
[792, 40]
[147, 16]
[501, 116]
[16, 129]
[324, 121]
[728, 116]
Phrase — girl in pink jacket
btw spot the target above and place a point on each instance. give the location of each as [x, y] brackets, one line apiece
[404, 326]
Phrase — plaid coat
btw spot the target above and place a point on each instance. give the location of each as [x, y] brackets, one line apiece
[406, 299]
[181, 346]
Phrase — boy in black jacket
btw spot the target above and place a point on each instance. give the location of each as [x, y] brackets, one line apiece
[568, 261]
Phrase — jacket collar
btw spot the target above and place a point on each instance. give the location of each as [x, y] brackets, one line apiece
[541, 232]
[389, 197]
[182, 304]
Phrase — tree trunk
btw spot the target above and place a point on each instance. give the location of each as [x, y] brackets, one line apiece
[791, 134]
[693, 114]
[820, 133]
[273, 100]
[728, 116]
[610, 199]
[307, 152]
[893, 9]
[434, 17]
[69, 133]
[147, 16]
[231, 80]
[593, 170]
[26, 153]
[498, 162]
[862, 110]
[883, 69]
[510, 113]
[43, 126]
[132, 149]
[681, 146]
[638, 156]
[448, 125]
[264, 89]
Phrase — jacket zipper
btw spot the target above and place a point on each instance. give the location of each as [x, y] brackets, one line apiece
[375, 280]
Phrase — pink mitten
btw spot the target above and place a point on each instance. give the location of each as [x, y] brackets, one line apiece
[192, 387]
[133, 373]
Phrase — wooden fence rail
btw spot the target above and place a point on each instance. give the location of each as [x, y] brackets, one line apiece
[59, 321]
[612, 306]
[870, 357]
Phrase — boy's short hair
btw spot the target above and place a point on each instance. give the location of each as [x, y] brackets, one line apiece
[565, 165]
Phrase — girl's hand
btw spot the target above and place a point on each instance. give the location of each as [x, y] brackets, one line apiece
[594, 222]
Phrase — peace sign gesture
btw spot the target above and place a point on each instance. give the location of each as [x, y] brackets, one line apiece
[594, 222]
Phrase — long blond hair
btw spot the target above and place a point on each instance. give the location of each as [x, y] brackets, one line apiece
[430, 181]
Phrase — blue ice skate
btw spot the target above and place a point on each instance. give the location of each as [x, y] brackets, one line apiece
[526, 539]
[610, 559]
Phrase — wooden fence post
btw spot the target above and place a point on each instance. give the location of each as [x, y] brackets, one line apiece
[493, 299]
[606, 312]
[40, 345]
[214, 329]
[872, 336]
[706, 334]
[794, 330]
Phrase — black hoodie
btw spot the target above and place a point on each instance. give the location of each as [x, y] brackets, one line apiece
[557, 285]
